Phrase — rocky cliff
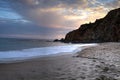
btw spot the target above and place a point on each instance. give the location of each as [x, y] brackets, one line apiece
[106, 29]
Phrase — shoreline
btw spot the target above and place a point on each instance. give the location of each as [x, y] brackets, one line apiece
[22, 58]
[86, 66]
[33, 58]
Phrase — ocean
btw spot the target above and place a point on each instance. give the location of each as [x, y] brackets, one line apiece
[21, 49]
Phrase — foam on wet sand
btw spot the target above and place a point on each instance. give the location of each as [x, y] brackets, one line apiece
[19, 55]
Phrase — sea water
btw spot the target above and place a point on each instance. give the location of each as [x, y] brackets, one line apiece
[21, 49]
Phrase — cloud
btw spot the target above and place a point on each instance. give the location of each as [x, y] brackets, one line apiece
[113, 4]
[56, 12]
[55, 17]
[52, 3]
[16, 28]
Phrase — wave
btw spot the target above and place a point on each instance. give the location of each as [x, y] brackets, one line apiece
[6, 56]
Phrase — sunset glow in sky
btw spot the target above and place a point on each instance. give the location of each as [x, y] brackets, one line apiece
[49, 19]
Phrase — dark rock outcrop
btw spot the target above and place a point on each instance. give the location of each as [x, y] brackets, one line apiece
[106, 29]
[57, 40]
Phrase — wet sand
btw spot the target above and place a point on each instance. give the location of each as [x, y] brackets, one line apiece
[96, 63]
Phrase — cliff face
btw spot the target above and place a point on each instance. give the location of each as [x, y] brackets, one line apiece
[106, 29]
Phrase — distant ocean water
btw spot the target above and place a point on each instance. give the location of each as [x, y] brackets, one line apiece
[20, 49]
[8, 44]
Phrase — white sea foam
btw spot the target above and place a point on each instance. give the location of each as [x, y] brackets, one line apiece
[7, 56]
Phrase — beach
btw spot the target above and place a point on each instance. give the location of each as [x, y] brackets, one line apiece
[101, 62]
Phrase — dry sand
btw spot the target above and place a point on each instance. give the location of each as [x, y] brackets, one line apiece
[96, 63]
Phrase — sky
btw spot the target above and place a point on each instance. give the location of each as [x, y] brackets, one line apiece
[49, 19]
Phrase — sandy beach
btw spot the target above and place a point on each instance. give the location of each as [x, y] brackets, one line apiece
[101, 62]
